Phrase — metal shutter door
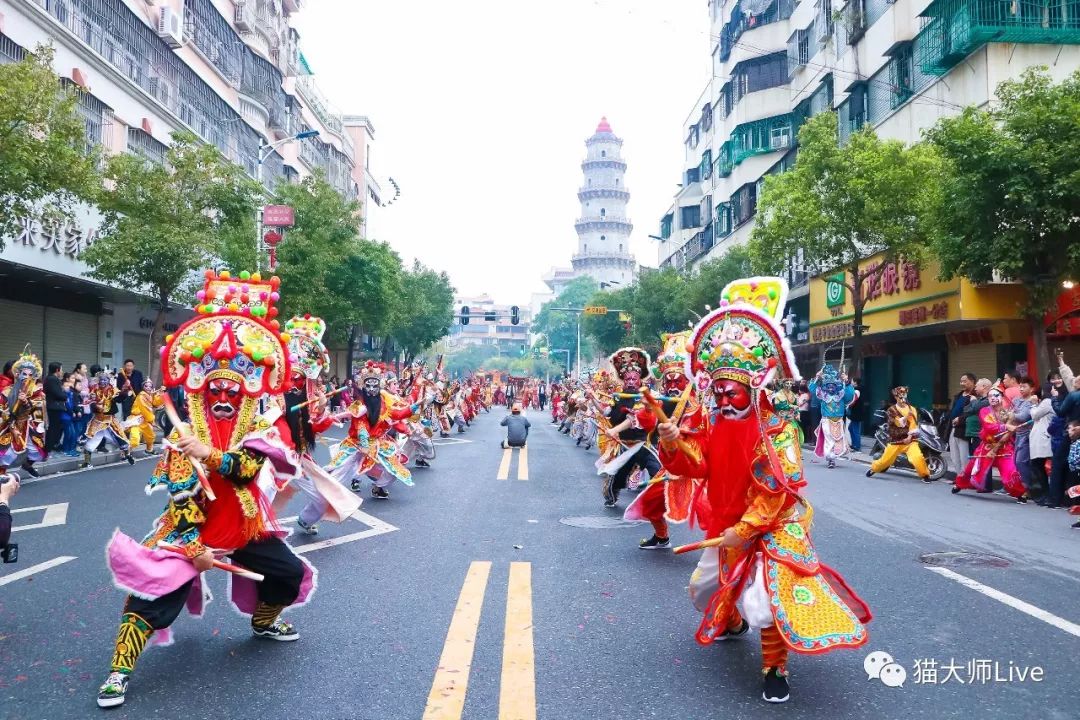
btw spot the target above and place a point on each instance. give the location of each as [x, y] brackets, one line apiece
[136, 347]
[979, 359]
[22, 324]
[70, 337]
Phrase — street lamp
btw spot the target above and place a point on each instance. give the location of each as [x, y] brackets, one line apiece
[264, 152]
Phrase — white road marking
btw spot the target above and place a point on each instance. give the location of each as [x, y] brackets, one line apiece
[40, 567]
[1038, 613]
[54, 515]
[444, 441]
[78, 471]
[375, 527]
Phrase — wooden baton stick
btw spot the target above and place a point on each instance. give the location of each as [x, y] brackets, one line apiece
[314, 400]
[712, 542]
[234, 569]
[658, 411]
[184, 429]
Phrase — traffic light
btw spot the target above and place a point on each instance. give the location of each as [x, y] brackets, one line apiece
[490, 317]
[515, 316]
[464, 314]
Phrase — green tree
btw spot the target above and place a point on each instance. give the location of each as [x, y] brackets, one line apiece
[839, 205]
[658, 305]
[710, 277]
[43, 154]
[560, 328]
[608, 331]
[1012, 197]
[163, 222]
[422, 313]
[470, 359]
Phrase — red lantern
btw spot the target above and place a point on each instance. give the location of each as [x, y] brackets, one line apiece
[272, 238]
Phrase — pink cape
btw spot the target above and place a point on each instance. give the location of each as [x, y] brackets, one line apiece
[148, 573]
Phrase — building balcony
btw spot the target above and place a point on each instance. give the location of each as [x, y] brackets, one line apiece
[620, 258]
[603, 163]
[620, 223]
[321, 108]
[594, 193]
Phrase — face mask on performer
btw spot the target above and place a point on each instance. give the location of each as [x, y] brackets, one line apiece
[224, 397]
[675, 382]
[299, 381]
[631, 380]
[372, 387]
[148, 386]
[732, 399]
[996, 399]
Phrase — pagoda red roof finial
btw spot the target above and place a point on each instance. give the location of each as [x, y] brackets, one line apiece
[603, 127]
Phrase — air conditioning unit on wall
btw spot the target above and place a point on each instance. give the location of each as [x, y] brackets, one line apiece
[244, 17]
[171, 27]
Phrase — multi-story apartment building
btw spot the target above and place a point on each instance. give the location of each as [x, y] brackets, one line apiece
[894, 65]
[231, 71]
[489, 324]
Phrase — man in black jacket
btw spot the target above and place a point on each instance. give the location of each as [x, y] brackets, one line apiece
[128, 381]
[55, 404]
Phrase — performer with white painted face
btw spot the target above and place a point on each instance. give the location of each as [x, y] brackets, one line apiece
[759, 567]
[104, 427]
[369, 449]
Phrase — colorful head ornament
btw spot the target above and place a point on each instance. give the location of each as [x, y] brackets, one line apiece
[673, 356]
[742, 339]
[28, 365]
[900, 392]
[234, 337]
[307, 353]
[630, 360]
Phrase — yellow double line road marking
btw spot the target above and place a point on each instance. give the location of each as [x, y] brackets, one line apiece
[523, 464]
[517, 688]
[517, 692]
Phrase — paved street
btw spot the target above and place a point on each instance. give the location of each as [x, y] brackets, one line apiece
[561, 621]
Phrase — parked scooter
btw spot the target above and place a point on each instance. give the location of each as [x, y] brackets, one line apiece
[930, 442]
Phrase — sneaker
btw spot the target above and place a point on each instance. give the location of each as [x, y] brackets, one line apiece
[1075, 525]
[1022, 500]
[733, 634]
[31, 471]
[830, 464]
[955, 489]
[356, 486]
[420, 462]
[655, 543]
[312, 529]
[279, 630]
[776, 688]
[869, 473]
[111, 693]
[926, 480]
[130, 459]
[379, 493]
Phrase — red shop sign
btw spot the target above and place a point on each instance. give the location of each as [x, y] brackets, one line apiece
[278, 216]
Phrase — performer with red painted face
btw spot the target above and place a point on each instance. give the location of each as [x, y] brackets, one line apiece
[759, 567]
[669, 497]
[226, 358]
[631, 365]
[369, 449]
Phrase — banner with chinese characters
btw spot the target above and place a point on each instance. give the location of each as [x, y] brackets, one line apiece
[901, 295]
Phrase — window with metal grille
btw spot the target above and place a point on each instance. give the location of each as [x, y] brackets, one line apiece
[900, 75]
[744, 202]
[10, 51]
[93, 113]
[690, 216]
[145, 146]
[706, 165]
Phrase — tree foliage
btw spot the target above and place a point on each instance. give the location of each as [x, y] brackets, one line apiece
[559, 328]
[43, 158]
[163, 222]
[841, 204]
[1011, 205]
[423, 312]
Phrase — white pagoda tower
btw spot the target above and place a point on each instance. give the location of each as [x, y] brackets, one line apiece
[603, 228]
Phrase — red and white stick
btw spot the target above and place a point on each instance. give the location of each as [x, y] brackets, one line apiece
[234, 569]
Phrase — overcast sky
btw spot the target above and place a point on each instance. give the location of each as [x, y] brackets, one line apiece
[481, 109]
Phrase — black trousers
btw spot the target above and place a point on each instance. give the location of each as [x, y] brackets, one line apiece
[54, 431]
[271, 557]
[642, 458]
[1059, 472]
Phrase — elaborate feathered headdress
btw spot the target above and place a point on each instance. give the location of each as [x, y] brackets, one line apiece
[630, 359]
[742, 339]
[673, 356]
[27, 361]
[372, 370]
[306, 350]
[234, 335]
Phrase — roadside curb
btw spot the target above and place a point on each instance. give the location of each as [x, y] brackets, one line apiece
[60, 464]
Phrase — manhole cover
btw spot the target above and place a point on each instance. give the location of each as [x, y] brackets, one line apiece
[963, 559]
[596, 522]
